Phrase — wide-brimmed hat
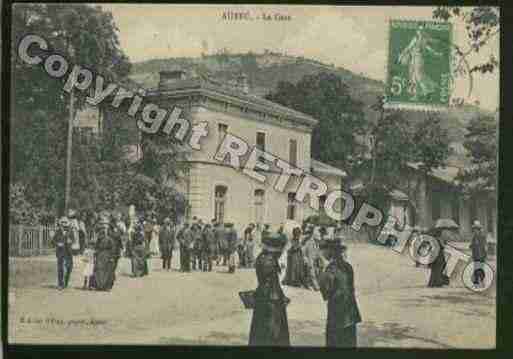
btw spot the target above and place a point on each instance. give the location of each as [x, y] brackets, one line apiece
[476, 224]
[332, 244]
[274, 242]
[104, 220]
[446, 223]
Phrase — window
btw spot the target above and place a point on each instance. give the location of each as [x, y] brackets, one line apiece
[291, 206]
[260, 141]
[322, 202]
[260, 144]
[259, 206]
[220, 203]
[222, 129]
[293, 152]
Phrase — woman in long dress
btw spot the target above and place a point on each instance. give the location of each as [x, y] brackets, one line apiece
[295, 275]
[139, 253]
[104, 265]
[437, 277]
[269, 325]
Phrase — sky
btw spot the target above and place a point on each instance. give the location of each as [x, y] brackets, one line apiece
[354, 37]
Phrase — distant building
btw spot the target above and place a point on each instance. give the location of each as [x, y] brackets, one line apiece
[215, 190]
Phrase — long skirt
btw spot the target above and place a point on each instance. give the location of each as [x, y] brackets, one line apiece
[295, 275]
[269, 325]
[139, 262]
[341, 337]
[437, 277]
[104, 270]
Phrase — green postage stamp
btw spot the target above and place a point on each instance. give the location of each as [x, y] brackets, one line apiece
[419, 65]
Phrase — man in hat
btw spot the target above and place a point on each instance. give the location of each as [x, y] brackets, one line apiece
[63, 240]
[269, 324]
[195, 246]
[166, 243]
[337, 288]
[478, 245]
[74, 228]
[210, 247]
[232, 242]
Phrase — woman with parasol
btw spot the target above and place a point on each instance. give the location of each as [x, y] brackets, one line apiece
[442, 232]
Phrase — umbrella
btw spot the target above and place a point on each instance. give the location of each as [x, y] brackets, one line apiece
[446, 223]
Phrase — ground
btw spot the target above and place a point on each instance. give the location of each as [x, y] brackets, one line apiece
[204, 308]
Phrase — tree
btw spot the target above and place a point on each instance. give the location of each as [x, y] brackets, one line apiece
[325, 97]
[481, 143]
[482, 24]
[397, 142]
[84, 35]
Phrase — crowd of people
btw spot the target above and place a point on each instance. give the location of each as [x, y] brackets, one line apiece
[311, 259]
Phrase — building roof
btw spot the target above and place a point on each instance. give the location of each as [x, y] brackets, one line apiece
[215, 89]
[446, 174]
[324, 168]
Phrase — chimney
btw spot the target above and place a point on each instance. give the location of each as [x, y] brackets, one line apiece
[242, 83]
[170, 77]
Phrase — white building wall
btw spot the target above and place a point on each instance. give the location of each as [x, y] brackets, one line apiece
[240, 200]
[276, 138]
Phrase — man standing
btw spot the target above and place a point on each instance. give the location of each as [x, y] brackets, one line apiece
[166, 243]
[250, 245]
[478, 246]
[337, 288]
[183, 248]
[63, 240]
[210, 247]
[185, 252]
[74, 228]
[231, 240]
[223, 243]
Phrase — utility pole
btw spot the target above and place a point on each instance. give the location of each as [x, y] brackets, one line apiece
[68, 151]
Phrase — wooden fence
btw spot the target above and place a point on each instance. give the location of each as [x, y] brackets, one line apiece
[34, 240]
[30, 240]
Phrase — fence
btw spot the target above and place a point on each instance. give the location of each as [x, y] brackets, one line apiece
[30, 240]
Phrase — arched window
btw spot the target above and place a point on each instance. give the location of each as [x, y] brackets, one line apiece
[259, 197]
[220, 203]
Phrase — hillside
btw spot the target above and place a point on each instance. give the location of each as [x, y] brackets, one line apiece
[267, 69]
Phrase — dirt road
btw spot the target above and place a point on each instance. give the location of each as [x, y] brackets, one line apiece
[204, 308]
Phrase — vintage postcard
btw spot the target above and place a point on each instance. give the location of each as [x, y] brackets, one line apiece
[253, 175]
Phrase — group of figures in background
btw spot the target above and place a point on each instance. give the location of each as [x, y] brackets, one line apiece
[309, 257]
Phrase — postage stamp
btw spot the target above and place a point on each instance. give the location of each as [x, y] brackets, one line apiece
[419, 71]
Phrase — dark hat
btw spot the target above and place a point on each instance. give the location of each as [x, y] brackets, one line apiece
[275, 241]
[333, 244]
[228, 225]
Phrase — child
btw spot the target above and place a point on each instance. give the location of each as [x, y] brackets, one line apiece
[233, 261]
[88, 259]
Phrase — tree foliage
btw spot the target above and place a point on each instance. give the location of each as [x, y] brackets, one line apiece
[326, 98]
[482, 25]
[83, 35]
[397, 142]
[481, 143]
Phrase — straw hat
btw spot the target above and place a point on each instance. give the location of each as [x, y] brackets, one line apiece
[477, 224]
